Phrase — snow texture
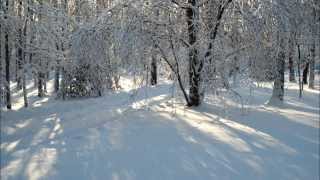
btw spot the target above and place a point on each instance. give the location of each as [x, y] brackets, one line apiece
[155, 137]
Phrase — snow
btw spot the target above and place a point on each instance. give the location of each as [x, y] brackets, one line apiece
[152, 136]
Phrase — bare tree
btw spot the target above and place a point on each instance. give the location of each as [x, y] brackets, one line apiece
[7, 54]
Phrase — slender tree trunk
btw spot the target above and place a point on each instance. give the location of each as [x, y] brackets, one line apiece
[40, 80]
[24, 60]
[153, 73]
[63, 84]
[299, 72]
[312, 66]
[305, 73]
[313, 51]
[41, 74]
[153, 69]
[19, 59]
[18, 72]
[7, 57]
[290, 57]
[46, 78]
[25, 93]
[56, 79]
[19, 52]
[57, 68]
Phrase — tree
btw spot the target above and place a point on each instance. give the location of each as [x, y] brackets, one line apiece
[7, 54]
[195, 65]
[154, 67]
[313, 47]
[278, 86]
[305, 73]
[290, 57]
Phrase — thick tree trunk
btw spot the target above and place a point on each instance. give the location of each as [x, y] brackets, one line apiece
[7, 57]
[1, 70]
[278, 88]
[305, 73]
[40, 84]
[195, 65]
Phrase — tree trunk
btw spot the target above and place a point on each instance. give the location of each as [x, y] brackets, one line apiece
[18, 72]
[299, 71]
[25, 97]
[40, 83]
[290, 57]
[19, 52]
[153, 69]
[1, 69]
[63, 84]
[313, 51]
[57, 68]
[305, 73]
[195, 65]
[153, 73]
[7, 57]
[235, 71]
[56, 79]
[46, 78]
[278, 87]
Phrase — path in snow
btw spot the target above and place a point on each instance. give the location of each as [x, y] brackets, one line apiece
[101, 138]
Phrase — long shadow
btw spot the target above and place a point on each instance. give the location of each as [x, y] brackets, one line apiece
[143, 144]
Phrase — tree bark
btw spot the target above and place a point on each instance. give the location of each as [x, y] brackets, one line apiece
[56, 79]
[278, 88]
[153, 69]
[313, 51]
[312, 66]
[19, 49]
[195, 65]
[7, 57]
[153, 78]
[305, 73]
[290, 57]
[1, 70]
[299, 71]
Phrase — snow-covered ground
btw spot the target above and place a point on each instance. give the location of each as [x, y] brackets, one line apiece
[114, 137]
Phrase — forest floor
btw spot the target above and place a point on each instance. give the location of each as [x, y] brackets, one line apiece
[147, 135]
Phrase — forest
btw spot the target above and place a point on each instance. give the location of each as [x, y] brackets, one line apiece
[160, 89]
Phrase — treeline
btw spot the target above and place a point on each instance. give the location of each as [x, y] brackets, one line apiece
[204, 45]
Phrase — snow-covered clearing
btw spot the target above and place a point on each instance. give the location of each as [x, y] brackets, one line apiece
[109, 138]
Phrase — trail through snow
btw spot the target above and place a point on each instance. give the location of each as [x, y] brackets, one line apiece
[104, 138]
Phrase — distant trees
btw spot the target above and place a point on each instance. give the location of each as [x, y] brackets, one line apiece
[87, 45]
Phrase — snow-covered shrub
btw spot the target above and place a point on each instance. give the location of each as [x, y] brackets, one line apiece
[89, 70]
